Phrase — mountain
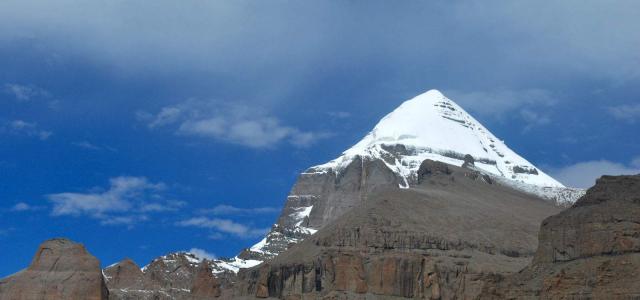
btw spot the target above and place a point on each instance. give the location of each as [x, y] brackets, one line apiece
[444, 237]
[589, 251]
[428, 204]
[454, 234]
[429, 126]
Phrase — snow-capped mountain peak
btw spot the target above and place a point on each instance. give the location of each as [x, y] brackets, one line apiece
[428, 126]
[432, 126]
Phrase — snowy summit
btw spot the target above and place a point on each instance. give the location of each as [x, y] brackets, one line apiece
[432, 126]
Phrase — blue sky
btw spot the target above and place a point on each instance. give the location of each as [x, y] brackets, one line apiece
[142, 128]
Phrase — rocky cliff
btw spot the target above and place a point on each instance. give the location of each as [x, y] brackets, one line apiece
[589, 251]
[174, 276]
[61, 269]
[442, 239]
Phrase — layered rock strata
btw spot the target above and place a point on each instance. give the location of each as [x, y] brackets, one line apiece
[442, 239]
[589, 251]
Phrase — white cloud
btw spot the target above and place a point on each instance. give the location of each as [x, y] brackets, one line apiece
[126, 201]
[233, 123]
[584, 174]
[339, 114]
[216, 236]
[502, 103]
[224, 226]
[533, 119]
[167, 115]
[90, 146]
[22, 206]
[86, 145]
[24, 93]
[636, 162]
[202, 254]
[224, 209]
[129, 220]
[20, 127]
[592, 37]
[629, 113]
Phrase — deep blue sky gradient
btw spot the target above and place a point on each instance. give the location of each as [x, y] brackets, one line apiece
[558, 82]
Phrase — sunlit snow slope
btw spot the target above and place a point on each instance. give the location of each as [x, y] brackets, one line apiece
[431, 126]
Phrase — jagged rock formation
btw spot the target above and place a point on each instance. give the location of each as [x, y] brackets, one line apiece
[126, 275]
[442, 239]
[205, 285]
[175, 276]
[61, 269]
[589, 251]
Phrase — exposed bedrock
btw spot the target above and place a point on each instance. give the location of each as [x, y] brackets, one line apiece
[61, 269]
[175, 276]
[589, 251]
[443, 239]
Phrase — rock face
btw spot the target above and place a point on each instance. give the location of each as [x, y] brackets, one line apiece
[61, 269]
[442, 239]
[126, 275]
[174, 276]
[317, 199]
[205, 286]
[589, 251]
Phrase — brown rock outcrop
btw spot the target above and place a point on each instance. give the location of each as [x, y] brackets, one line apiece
[61, 269]
[175, 276]
[589, 251]
[205, 286]
[126, 275]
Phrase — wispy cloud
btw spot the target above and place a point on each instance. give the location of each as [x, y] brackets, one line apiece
[91, 146]
[629, 113]
[86, 145]
[584, 174]
[501, 103]
[127, 200]
[24, 93]
[230, 123]
[23, 128]
[533, 119]
[23, 206]
[224, 209]
[224, 226]
[339, 114]
[202, 254]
